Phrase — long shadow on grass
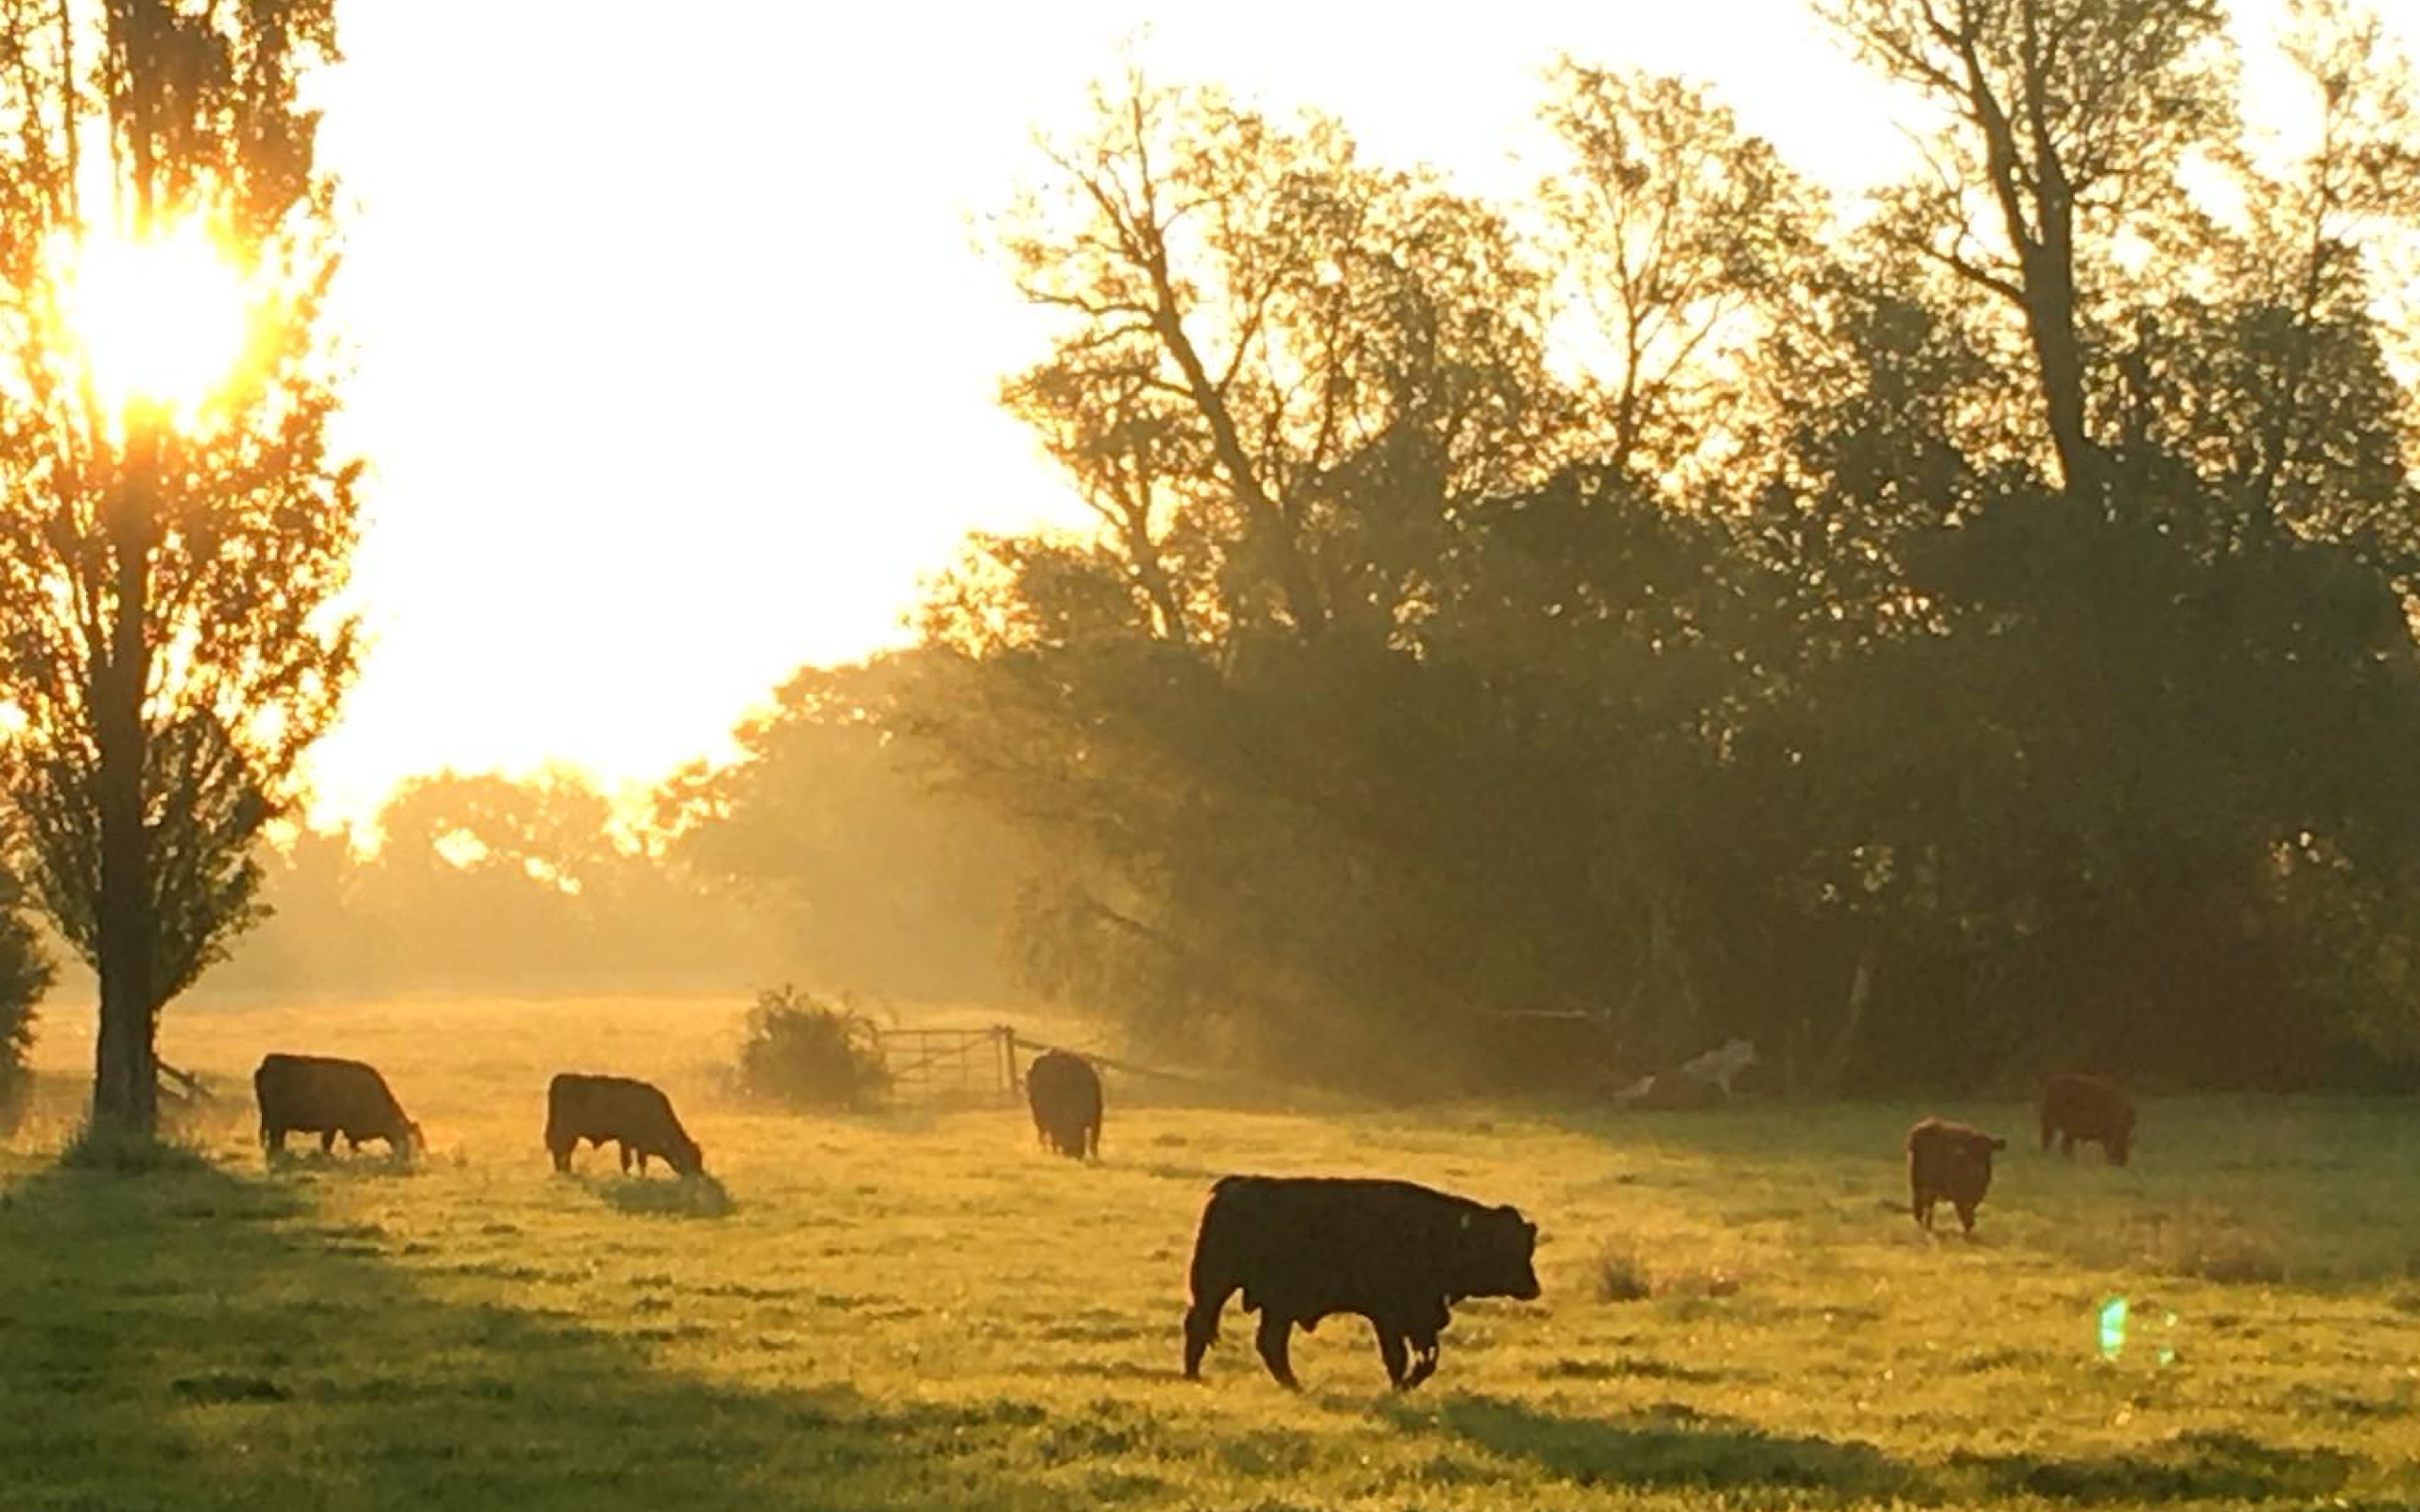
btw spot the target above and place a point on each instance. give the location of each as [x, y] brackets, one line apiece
[2202, 1467]
[1671, 1447]
[1676, 1446]
[188, 1340]
[699, 1196]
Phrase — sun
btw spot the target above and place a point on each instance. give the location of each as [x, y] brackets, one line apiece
[157, 321]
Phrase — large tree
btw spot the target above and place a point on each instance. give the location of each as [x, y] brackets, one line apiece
[169, 560]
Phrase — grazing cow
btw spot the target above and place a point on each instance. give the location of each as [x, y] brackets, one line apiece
[635, 1115]
[2091, 1109]
[318, 1094]
[1063, 1091]
[1949, 1162]
[1300, 1248]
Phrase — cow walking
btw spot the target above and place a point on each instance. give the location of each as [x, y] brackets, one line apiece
[322, 1096]
[1397, 1254]
[634, 1115]
[1064, 1092]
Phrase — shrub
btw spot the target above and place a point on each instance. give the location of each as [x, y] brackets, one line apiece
[25, 974]
[802, 1052]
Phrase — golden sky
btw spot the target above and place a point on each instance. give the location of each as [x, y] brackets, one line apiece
[674, 352]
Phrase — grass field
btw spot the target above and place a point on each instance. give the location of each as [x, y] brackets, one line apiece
[923, 1311]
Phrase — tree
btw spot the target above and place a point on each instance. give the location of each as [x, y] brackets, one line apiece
[1673, 233]
[1281, 373]
[2073, 119]
[169, 564]
[829, 824]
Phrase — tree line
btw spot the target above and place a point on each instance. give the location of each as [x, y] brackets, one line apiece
[1941, 638]
[817, 854]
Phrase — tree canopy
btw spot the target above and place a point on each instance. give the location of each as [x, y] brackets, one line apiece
[1945, 639]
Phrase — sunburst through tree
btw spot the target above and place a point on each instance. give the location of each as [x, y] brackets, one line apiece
[174, 532]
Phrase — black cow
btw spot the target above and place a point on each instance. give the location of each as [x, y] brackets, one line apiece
[1949, 1162]
[318, 1095]
[1063, 1091]
[2092, 1110]
[1300, 1248]
[635, 1115]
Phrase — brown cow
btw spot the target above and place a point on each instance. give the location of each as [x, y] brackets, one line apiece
[1063, 1091]
[635, 1115]
[1949, 1162]
[2091, 1109]
[318, 1095]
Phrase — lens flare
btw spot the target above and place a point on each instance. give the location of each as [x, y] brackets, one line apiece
[2120, 1317]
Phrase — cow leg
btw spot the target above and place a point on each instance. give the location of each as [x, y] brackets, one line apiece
[1275, 1331]
[643, 1159]
[1967, 1218]
[1424, 1357]
[2050, 1132]
[327, 1141]
[562, 1156]
[1392, 1349]
[2067, 1145]
[626, 1156]
[274, 1139]
[1922, 1208]
[1201, 1327]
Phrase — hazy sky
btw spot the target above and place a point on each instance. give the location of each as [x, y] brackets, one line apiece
[676, 355]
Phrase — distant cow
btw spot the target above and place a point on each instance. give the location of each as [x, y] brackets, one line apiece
[317, 1094]
[1949, 1162]
[2091, 1109]
[1300, 1248]
[635, 1115]
[1065, 1093]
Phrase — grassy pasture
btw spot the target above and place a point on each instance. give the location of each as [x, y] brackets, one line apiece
[923, 1311]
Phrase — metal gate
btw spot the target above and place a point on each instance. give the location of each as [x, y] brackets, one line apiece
[951, 1065]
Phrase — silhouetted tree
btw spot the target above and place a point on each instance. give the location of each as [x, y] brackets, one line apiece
[166, 582]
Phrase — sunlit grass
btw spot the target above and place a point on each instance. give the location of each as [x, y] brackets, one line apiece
[926, 1312]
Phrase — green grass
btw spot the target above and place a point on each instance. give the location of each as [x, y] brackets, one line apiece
[926, 1312]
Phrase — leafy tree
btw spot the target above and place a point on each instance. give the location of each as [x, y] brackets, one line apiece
[828, 824]
[166, 579]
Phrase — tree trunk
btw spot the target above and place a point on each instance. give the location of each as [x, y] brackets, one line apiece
[1835, 1066]
[125, 1089]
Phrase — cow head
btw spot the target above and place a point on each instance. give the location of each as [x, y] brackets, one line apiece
[414, 1143]
[1498, 1247]
[688, 1158]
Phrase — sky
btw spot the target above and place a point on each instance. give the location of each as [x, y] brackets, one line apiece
[675, 349]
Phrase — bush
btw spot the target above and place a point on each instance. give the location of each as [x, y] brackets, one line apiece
[25, 974]
[802, 1052]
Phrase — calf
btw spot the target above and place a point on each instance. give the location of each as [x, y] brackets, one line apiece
[1949, 1162]
[2093, 1110]
[635, 1115]
[317, 1094]
[1300, 1248]
[1063, 1091]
